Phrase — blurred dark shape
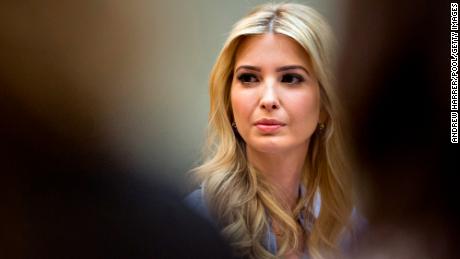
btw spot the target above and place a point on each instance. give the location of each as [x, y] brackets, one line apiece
[63, 191]
[395, 74]
[60, 200]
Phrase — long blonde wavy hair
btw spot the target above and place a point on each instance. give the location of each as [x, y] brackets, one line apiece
[238, 196]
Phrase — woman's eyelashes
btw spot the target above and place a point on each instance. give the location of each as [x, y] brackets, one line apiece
[248, 78]
[292, 79]
[288, 78]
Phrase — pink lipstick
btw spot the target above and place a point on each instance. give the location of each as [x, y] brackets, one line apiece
[269, 125]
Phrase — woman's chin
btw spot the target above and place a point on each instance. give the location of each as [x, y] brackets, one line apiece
[269, 146]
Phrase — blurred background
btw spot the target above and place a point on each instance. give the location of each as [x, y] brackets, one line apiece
[93, 90]
[136, 72]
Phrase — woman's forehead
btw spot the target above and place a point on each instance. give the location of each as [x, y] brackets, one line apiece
[271, 49]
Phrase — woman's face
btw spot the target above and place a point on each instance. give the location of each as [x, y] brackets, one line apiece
[274, 94]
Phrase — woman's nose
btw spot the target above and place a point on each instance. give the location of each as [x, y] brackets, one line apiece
[269, 100]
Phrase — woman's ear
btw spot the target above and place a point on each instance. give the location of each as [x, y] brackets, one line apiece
[323, 116]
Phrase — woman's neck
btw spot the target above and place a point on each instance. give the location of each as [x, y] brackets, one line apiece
[282, 170]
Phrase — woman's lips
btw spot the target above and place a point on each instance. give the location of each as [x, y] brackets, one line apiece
[268, 128]
[267, 125]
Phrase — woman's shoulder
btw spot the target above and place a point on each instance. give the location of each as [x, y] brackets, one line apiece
[195, 201]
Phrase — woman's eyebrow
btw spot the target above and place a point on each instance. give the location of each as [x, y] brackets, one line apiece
[284, 68]
[249, 68]
[280, 69]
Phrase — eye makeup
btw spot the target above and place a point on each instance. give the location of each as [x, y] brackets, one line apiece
[292, 78]
[289, 75]
[247, 78]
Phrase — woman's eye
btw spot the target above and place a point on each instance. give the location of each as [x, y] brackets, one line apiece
[247, 78]
[292, 79]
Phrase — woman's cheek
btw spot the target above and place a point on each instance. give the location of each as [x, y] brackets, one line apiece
[303, 103]
[304, 110]
[241, 108]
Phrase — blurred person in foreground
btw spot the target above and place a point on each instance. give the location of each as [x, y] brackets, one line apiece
[275, 177]
[64, 192]
[394, 68]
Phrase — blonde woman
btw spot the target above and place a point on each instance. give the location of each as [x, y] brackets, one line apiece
[275, 178]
